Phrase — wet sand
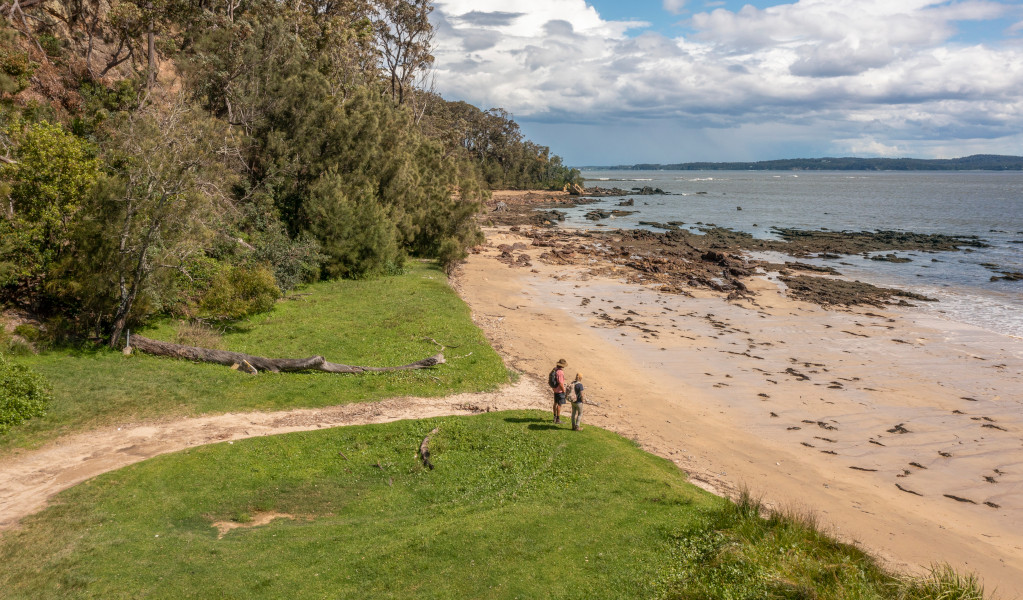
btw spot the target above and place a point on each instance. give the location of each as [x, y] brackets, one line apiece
[904, 433]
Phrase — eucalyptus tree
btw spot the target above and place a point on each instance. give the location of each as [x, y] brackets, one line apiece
[405, 36]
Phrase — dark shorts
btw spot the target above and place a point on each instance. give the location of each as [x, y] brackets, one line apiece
[559, 397]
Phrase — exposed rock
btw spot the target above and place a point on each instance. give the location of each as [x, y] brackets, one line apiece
[1008, 276]
[856, 242]
[785, 268]
[548, 218]
[890, 258]
[596, 215]
[599, 192]
[831, 292]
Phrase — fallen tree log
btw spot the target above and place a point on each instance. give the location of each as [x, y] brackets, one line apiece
[276, 365]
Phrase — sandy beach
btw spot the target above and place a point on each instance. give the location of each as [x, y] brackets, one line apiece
[903, 433]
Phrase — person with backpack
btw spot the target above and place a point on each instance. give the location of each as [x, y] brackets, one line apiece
[577, 403]
[556, 379]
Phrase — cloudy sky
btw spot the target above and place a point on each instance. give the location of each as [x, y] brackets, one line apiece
[606, 82]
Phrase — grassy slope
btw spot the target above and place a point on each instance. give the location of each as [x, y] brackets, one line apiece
[378, 322]
[515, 508]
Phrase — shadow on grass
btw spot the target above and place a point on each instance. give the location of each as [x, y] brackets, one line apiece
[525, 420]
[538, 427]
[79, 349]
[537, 423]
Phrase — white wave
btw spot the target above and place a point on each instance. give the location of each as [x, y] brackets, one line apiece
[986, 311]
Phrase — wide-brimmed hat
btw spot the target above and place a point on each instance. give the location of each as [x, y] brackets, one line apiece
[562, 362]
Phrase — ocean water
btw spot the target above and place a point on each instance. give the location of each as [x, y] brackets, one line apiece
[986, 204]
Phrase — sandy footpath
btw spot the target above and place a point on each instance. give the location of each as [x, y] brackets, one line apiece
[904, 433]
[29, 479]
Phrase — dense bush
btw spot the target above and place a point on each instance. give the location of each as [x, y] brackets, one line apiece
[238, 292]
[23, 394]
[293, 261]
[355, 233]
[46, 184]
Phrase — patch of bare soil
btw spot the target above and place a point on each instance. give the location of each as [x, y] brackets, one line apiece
[29, 479]
[257, 520]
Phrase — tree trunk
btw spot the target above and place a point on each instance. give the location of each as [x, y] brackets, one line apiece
[276, 365]
[120, 321]
[150, 50]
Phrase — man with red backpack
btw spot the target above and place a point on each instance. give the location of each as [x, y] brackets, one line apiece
[556, 380]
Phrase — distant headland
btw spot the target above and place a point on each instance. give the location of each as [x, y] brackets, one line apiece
[977, 162]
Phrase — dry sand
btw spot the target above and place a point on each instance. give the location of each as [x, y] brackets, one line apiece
[903, 433]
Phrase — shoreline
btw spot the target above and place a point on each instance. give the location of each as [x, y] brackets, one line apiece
[787, 398]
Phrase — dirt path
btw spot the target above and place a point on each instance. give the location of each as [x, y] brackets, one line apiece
[28, 480]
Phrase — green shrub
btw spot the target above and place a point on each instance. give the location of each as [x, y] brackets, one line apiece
[239, 292]
[192, 283]
[942, 583]
[23, 394]
[27, 331]
[50, 44]
[294, 262]
[15, 70]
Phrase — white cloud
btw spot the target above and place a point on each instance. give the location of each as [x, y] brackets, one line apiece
[854, 70]
[867, 146]
[675, 7]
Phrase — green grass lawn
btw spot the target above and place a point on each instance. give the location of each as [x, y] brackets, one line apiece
[376, 322]
[516, 508]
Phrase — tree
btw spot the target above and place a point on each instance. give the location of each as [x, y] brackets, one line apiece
[162, 202]
[405, 36]
[46, 182]
[356, 234]
[495, 144]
